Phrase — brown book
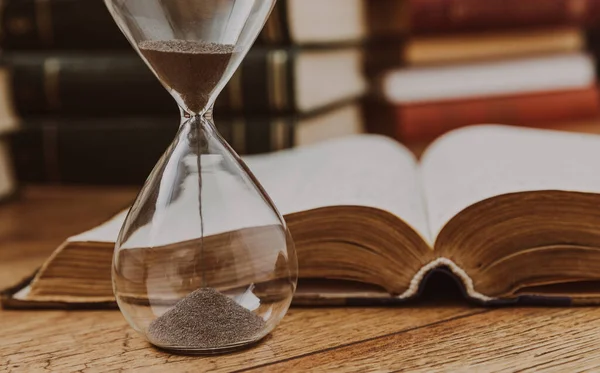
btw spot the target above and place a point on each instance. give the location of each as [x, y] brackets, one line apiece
[270, 81]
[430, 100]
[55, 150]
[71, 24]
[387, 18]
[476, 79]
[437, 51]
[509, 212]
[435, 16]
[590, 126]
[419, 122]
[8, 181]
[8, 124]
[488, 46]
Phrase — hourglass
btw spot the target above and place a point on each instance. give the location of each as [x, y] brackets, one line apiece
[204, 262]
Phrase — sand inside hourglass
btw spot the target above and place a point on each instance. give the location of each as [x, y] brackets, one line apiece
[205, 318]
[190, 68]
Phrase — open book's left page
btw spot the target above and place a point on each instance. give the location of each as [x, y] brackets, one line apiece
[364, 170]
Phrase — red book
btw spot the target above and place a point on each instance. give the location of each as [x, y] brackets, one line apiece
[433, 16]
[425, 121]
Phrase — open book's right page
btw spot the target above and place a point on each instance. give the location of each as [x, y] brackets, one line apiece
[475, 163]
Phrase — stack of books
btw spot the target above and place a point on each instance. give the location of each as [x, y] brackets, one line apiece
[469, 62]
[92, 113]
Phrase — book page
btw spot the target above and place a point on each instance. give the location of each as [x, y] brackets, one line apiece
[503, 77]
[363, 170]
[475, 163]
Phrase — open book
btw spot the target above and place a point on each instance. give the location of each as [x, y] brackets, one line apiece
[510, 212]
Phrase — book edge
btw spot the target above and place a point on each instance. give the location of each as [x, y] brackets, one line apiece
[388, 82]
[8, 301]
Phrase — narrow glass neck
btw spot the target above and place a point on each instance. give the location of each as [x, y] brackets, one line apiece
[206, 114]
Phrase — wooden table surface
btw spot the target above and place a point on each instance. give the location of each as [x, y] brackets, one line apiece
[430, 337]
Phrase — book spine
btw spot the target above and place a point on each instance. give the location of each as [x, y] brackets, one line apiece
[88, 25]
[512, 77]
[58, 24]
[276, 30]
[434, 16]
[481, 47]
[8, 183]
[123, 151]
[424, 122]
[382, 57]
[264, 83]
[120, 83]
[84, 85]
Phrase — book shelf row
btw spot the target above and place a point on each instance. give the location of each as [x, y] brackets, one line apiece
[72, 89]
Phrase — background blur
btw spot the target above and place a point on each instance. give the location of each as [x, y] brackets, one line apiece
[77, 105]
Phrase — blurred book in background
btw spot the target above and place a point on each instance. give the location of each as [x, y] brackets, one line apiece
[426, 102]
[466, 62]
[8, 124]
[454, 16]
[108, 151]
[432, 66]
[490, 46]
[86, 101]
[87, 24]
[270, 81]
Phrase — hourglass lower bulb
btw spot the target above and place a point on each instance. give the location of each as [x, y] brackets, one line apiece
[204, 262]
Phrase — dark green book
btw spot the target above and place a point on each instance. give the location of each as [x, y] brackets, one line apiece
[87, 24]
[269, 81]
[123, 150]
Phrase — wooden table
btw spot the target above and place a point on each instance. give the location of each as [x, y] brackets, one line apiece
[417, 338]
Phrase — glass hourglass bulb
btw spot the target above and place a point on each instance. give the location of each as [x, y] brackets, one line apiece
[204, 262]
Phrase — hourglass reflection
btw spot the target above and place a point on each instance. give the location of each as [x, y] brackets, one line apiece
[204, 261]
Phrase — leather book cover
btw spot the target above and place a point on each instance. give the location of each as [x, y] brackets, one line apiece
[84, 85]
[99, 150]
[413, 123]
[58, 24]
[434, 16]
[120, 83]
[88, 25]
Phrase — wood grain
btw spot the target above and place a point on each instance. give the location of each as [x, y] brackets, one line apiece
[506, 340]
[103, 342]
[421, 338]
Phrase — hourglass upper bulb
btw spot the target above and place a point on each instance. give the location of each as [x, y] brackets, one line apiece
[192, 46]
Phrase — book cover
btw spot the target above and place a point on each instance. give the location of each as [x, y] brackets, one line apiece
[123, 150]
[418, 122]
[485, 47]
[479, 79]
[438, 16]
[8, 180]
[269, 81]
[87, 25]
[492, 45]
